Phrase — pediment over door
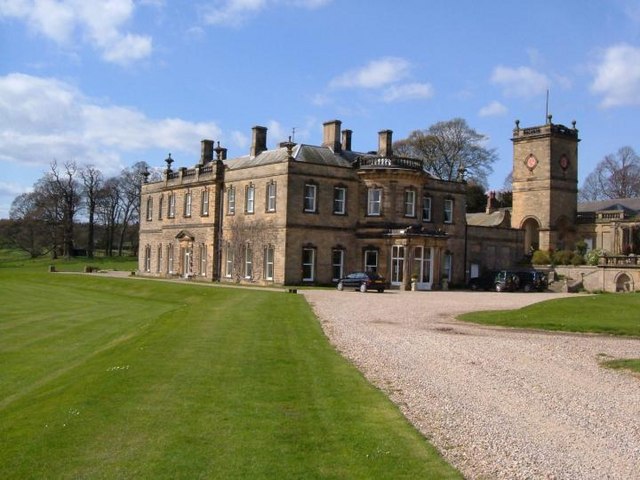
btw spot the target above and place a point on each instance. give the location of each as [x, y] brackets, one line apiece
[185, 236]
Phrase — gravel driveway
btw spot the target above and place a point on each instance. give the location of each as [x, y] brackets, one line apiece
[498, 403]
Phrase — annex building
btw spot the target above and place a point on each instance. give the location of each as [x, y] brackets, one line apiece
[308, 214]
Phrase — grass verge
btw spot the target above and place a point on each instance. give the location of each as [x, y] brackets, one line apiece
[608, 314]
[126, 378]
[632, 364]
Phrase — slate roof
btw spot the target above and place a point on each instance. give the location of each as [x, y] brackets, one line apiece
[499, 218]
[301, 153]
[629, 205]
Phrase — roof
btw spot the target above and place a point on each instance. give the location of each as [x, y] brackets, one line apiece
[631, 205]
[301, 153]
[499, 218]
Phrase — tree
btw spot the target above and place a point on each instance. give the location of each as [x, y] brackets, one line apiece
[108, 209]
[476, 198]
[27, 229]
[65, 189]
[130, 187]
[449, 148]
[616, 176]
[92, 182]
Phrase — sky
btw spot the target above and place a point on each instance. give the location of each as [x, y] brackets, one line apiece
[109, 83]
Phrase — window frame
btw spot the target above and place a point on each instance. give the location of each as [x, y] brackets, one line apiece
[410, 203]
[447, 202]
[248, 262]
[188, 203]
[149, 208]
[204, 202]
[310, 265]
[271, 197]
[374, 252]
[339, 201]
[160, 207]
[250, 199]
[308, 187]
[372, 202]
[269, 262]
[171, 207]
[426, 200]
[228, 261]
[231, 200]
[203, 259]
[147, 258]
[339, 265]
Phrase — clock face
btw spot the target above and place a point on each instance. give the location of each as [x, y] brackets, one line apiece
[531, 162]
[564, 162]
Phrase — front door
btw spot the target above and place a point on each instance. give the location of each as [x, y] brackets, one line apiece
[397, 264]
[188, 263]
[422, 267]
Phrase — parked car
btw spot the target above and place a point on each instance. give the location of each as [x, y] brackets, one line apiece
[362, 281]
[531, 280]
[498, 280]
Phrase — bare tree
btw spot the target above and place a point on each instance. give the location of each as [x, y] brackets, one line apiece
[92, 183]
[108, 209]
[449, 149]
[130, 187]
[616, 176]
[27, 229]
[66, 189]
[245, 245]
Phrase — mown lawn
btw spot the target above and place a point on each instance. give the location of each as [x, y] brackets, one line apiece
[615, 314]
[127, 378]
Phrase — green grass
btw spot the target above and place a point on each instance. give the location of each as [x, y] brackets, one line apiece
[17, 259]
[126, 378]
[608, 314]
[632, 364]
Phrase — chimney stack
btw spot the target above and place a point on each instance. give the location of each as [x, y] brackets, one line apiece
[206, 151]
[385, 148]
[258, 140]
[331, 135]
[346, 140]
[491, 197]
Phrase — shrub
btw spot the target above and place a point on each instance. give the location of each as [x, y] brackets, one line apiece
[540, 257]
[581, 247]
[577, 260]
[593, 256]
[562, 257]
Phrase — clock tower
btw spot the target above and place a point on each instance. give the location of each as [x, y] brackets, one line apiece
[545, 185]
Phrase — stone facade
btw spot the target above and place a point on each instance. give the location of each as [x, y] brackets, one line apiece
[303, 214]
[545, 185]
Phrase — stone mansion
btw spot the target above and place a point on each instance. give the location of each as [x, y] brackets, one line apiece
[303, 214]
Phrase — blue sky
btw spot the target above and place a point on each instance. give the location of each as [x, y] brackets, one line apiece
[113, 82]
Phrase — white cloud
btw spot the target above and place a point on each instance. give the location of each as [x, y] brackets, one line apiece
[233, 13]
[494, 109]
[520, 81]
[42, 119]
[408, 91]
[617, 77]
[98, 21]
[375, 74]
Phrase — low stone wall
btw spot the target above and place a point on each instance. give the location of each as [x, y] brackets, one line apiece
[601, 279]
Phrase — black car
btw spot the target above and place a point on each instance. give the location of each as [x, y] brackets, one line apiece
[498, 280]
[531, 280]
[362, 281]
